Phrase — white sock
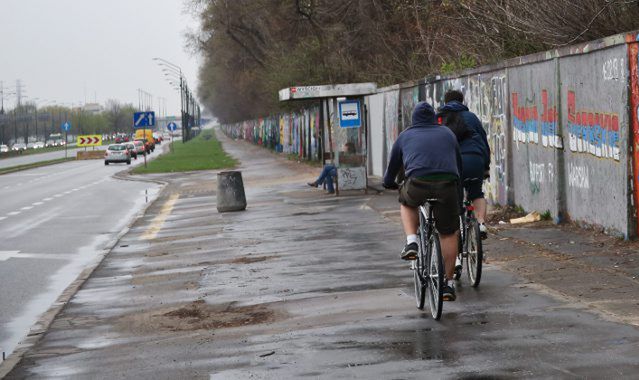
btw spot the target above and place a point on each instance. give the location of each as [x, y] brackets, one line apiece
[411, 239]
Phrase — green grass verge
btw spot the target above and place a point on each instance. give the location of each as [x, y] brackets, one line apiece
[34, 165]
[201, 153]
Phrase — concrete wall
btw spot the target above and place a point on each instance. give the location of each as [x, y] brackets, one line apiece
[375, 106]
[594, 99]
[558, 123]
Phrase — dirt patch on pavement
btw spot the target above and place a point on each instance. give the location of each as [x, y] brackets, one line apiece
[250, 259]
[197, 315]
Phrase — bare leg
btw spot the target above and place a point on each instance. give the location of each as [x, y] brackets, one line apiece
[449, 251]
[480, 209]
[410, 219]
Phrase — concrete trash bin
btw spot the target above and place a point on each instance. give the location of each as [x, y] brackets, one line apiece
[230, 192]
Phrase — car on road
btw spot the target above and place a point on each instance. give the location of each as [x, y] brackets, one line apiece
[117, 153]
[4, 148]
[139, 147]
[19, 147]
[60, 142]
[38, 144]
[133, 150]
[31, 145]
[50, 143]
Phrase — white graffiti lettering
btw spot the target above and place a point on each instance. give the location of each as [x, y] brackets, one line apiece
[578, 177]
[537, 173]
[613, 69]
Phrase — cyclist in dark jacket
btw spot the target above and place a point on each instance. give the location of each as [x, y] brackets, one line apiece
[431, 159]
[474, 148]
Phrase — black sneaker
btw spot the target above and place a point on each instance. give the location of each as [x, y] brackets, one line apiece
[448, 293]
[409, 252]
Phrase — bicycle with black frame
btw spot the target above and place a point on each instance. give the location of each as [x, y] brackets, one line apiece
[428, 269]
[470, 248]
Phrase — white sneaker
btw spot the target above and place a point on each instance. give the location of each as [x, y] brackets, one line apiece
[483, 231]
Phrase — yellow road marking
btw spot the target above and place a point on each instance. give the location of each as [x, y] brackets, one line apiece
[158, 221]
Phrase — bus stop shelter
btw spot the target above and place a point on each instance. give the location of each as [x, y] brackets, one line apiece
[344, 128]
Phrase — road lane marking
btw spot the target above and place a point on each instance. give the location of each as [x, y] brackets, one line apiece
[26, 208]
[37, 203]
[13, 213]
[158, 221]
[47, 199]
[6, 255]
[3, 217]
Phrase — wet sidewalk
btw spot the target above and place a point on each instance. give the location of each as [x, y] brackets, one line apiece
[307, 285]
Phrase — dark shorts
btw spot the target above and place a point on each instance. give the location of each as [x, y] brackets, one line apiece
[473, 169]
[414, 192]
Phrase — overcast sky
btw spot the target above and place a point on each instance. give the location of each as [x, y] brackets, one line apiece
[71, 50]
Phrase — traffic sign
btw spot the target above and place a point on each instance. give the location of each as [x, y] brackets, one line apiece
[172, 127]
[66, 126]
[349, 115]
[144, 119]
[90, 140]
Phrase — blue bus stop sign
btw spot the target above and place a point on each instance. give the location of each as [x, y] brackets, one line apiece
[172, 127]
[66, 126]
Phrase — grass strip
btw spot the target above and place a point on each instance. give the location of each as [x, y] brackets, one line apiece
[17, 168]
[201, 153]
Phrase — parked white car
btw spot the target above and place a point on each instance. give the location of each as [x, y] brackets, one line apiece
[4, 148]
[38, 144]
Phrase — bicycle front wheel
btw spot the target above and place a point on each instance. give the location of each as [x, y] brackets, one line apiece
[435, 276]
[475, 255]
[418, 271]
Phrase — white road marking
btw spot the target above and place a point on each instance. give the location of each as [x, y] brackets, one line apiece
[6, 255]
[37, 203]
[27, 208]
[3, 217]
[13, 213]
[47, 199]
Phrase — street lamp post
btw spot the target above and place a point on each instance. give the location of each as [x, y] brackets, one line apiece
[171, 68]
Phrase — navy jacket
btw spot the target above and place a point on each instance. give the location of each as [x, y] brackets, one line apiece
[478, 143]
[424, 149]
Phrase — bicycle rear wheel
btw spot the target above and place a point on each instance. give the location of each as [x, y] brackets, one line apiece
[435, 276]
[475, 255]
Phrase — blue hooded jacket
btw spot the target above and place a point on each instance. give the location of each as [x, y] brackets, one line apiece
[426, 148]
[478, 143]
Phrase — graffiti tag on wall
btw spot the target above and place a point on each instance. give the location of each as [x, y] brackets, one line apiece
[351, 178]
[531, 127]
[596, 133]
[578, 176]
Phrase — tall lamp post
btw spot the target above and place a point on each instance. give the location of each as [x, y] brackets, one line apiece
[172, 69]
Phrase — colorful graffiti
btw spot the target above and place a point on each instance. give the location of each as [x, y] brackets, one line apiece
[529, 125]
[591, 132]
[294, 133]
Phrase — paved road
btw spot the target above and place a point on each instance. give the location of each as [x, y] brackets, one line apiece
[55, 220]
[304, 286]
[31, 158]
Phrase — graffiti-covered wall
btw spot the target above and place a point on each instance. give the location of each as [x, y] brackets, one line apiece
[558, 123]
[293, 133]
[594, 112]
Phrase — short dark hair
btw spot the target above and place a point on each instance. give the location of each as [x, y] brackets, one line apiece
[453, 95]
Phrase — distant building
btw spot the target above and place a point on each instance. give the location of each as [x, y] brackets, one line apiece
[92, 108]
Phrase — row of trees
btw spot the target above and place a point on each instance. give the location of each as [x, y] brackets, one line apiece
[252, 48]
[27, 123]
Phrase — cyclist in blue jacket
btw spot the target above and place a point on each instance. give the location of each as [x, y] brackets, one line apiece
[431, 159]
[475, 151]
